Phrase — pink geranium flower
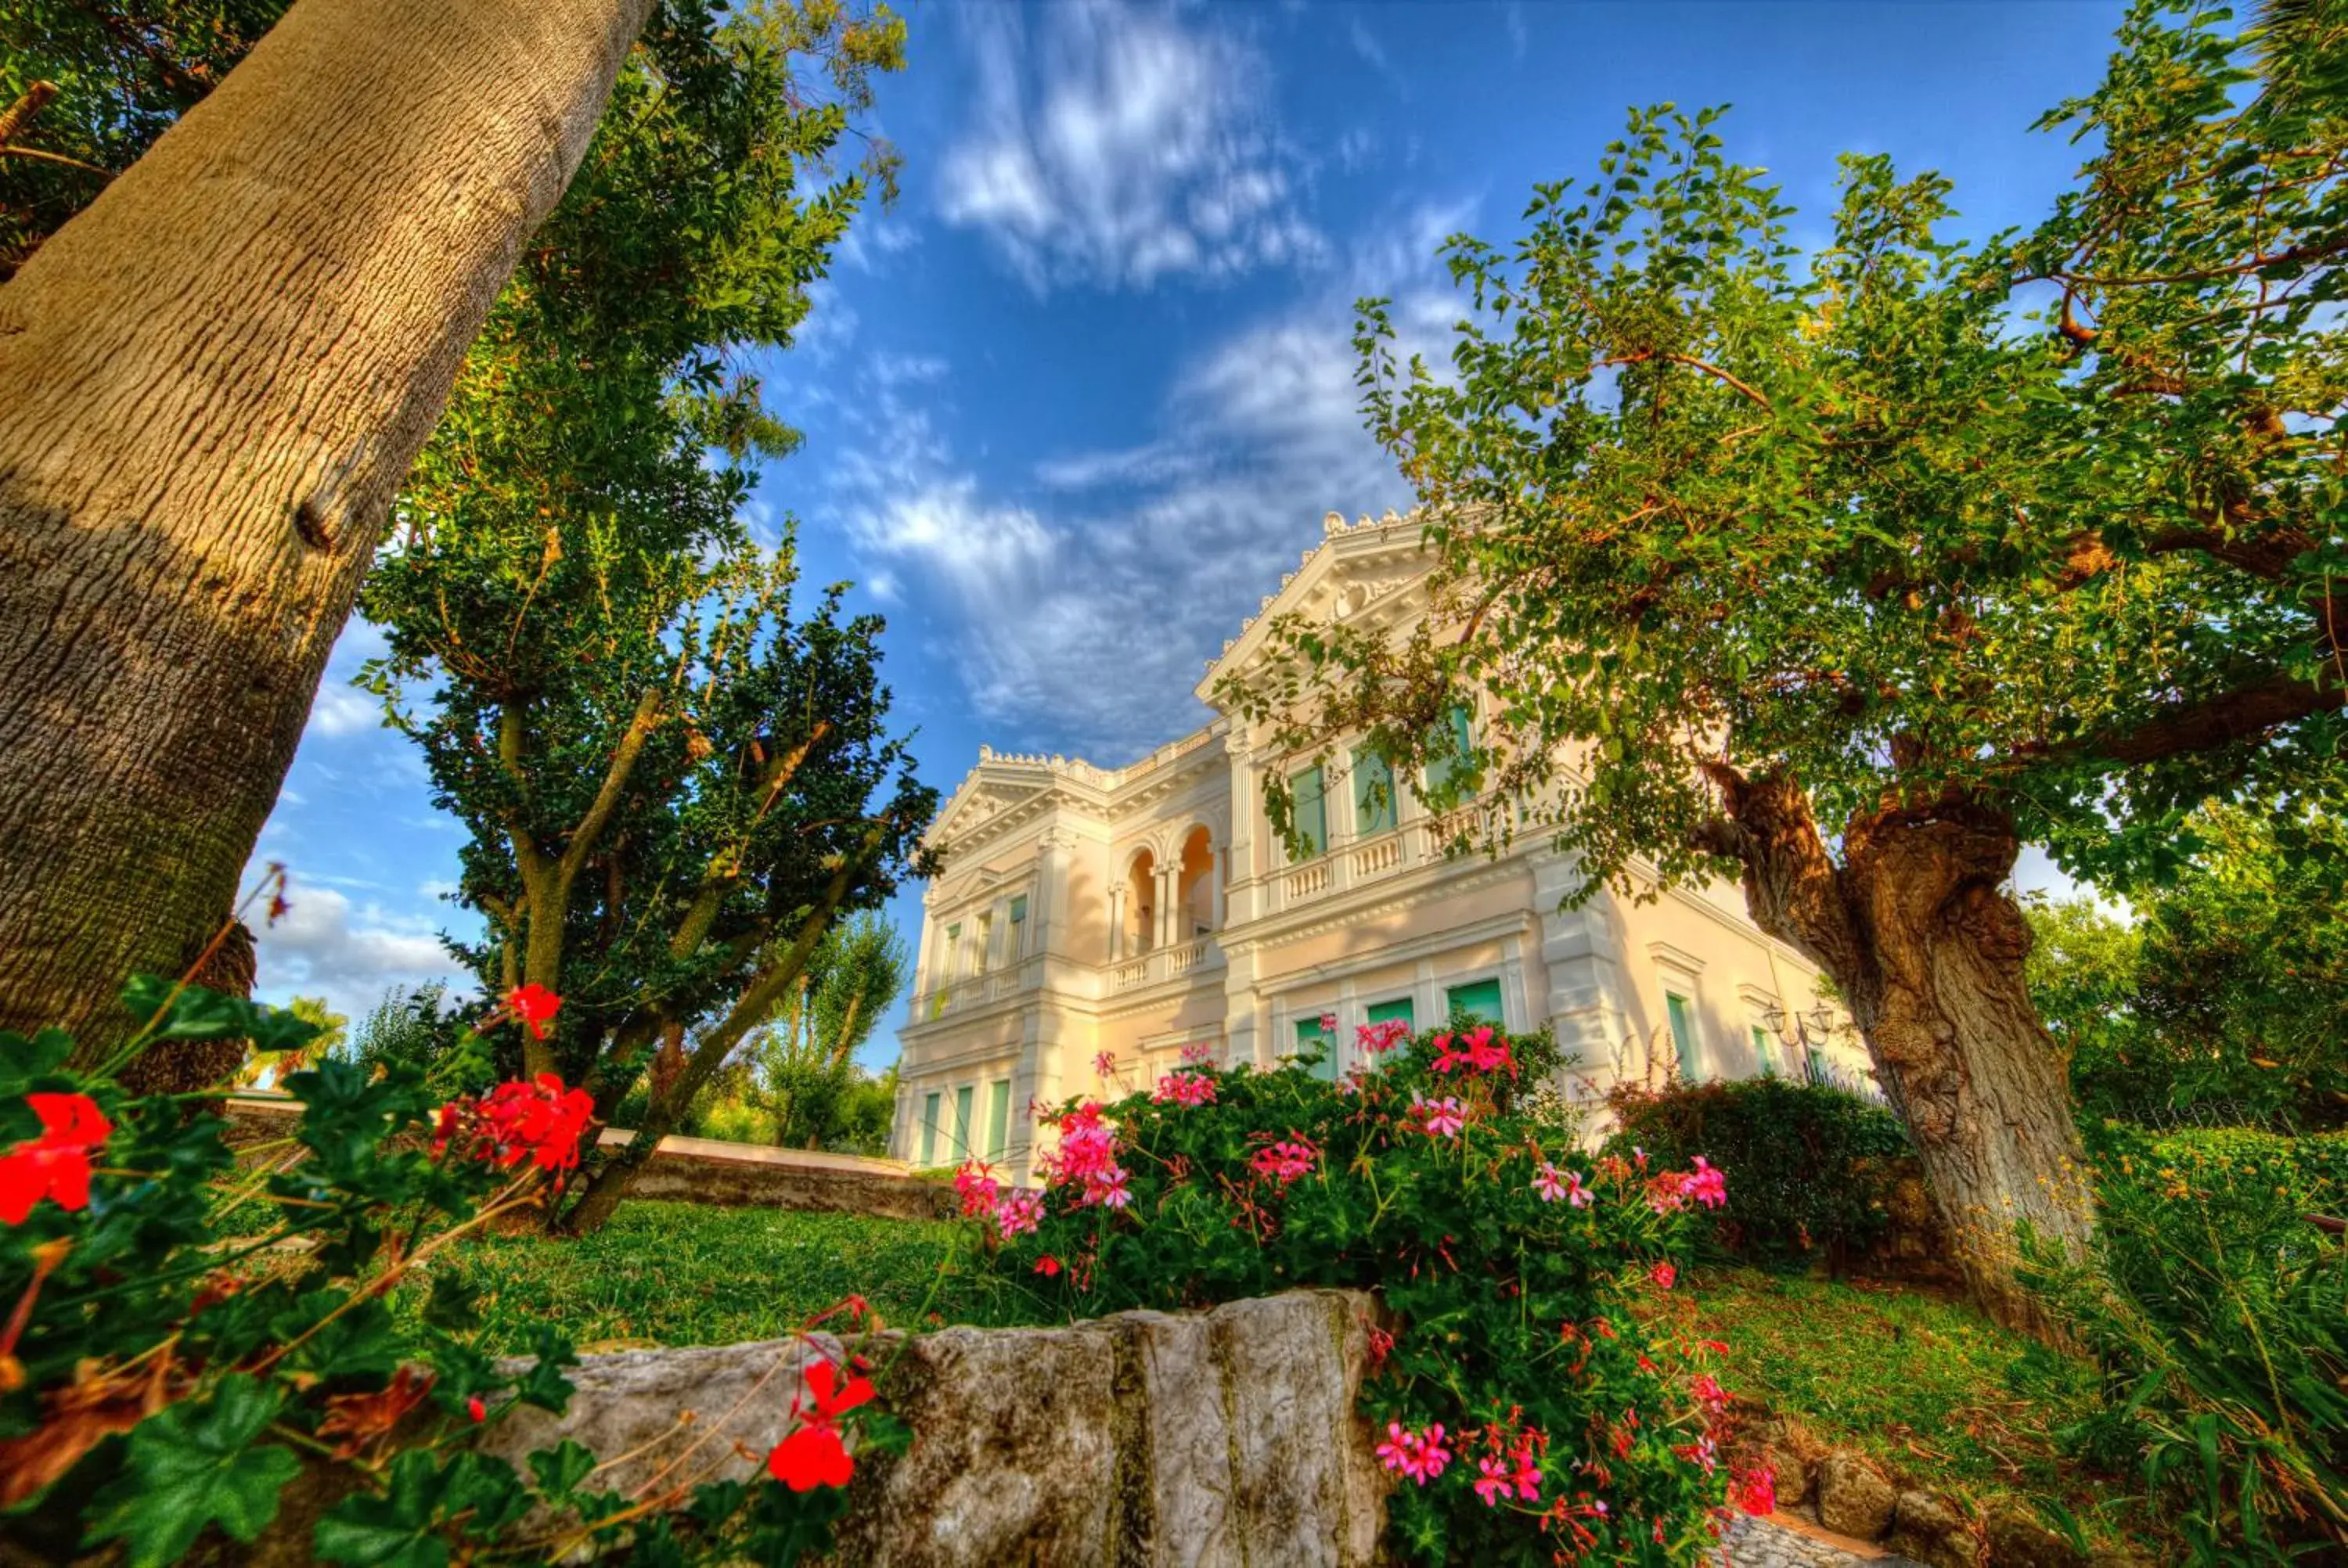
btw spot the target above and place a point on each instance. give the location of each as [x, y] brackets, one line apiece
[1582, 1197]
[1492, 1486]
[1285, 1161]
[1418, 1456]
[1438, 1118]
[1378, 1039]
[1184, 1089]
[1548, 1182]
[976, 1183]
[1663, 1274]
[1705, 1185]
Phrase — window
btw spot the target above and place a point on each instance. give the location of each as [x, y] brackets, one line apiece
[962, 1121]
[1019, 926]
[1818, 1065]
[1310, 817]
[953, 951]
[1453, 777]
[1395, 1011]
[1373, 794]
[930, 1131]
[1681, 1015]
[998, 1118]
[1762, 1054]
[1476, 999]
[1310, 1037]
[986, 940]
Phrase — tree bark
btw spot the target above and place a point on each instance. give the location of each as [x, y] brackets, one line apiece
[212, 383]
[1916, 930]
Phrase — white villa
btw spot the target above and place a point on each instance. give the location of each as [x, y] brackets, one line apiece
[1134, 911]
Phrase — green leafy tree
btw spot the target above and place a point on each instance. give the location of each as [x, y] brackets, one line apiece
[673, 787]
[2228, 993]
[87, 87]
[1850, 571]
[804, 1060]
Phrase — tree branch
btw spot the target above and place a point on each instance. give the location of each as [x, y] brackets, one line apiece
[2238, 715]
[18, 115]
[616, 783]
[1649, 355]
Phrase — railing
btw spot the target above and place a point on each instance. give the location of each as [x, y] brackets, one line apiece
[1165, 964]
[1378, 856]
[1306, 881]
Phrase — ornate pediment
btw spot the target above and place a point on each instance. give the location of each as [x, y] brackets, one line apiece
[981, 803]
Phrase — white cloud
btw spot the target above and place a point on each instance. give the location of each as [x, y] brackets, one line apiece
[326, 946]
[1078, 602]
[344, 710]
[1114, 145]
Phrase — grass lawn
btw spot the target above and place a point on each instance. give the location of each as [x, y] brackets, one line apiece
[684, 1274]
[1942, 1398]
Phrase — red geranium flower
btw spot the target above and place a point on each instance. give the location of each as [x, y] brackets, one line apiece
[538, 1121]
[813, 1455]
[535, 1006]
[1047, 1266]
[57, 1164]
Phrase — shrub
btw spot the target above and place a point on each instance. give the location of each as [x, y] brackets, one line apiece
[2220, 1319]
[185, 1336]
[1531, 1414]
[1812, 1161]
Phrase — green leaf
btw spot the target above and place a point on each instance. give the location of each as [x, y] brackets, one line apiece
[560, 1469]
[191, 1465]
[394, 1531]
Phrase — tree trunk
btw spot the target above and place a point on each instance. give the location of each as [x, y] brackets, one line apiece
[1916, 930]
[212, 383]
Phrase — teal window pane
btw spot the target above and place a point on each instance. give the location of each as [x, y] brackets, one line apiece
[1309, 1037]
[1478, 1000]
[1386, 1013]
[1682, 1015]
[1373, 794]
[1312, 813]
[998, 1118]
[930, 1131]
[1451, 778]
[962, 1122]
[1762, 1054]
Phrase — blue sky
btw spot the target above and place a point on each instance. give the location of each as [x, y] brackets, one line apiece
[1078, 399]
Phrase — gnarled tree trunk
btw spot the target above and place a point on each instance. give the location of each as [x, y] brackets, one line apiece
[212, 383]
[1916, 930]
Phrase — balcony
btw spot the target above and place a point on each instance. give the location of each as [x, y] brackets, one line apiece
[1180, 961]
[1419, 841]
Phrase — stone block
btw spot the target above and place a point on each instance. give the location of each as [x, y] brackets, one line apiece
[1933, 1531]
[1854, 1497]
[2018, 1538]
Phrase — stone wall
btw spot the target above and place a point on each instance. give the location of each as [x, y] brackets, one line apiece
[1228, 1437]
[706, 1171]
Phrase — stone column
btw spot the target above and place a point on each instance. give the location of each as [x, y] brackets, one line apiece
[1169, 882]
[1116, 922]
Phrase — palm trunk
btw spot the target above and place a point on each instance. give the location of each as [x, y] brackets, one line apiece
[1916, 930]
[212, 383]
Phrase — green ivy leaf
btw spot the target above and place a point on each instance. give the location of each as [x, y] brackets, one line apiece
[190, 1012]
[191, 1465]
[394, 1531]
[560, 1469]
